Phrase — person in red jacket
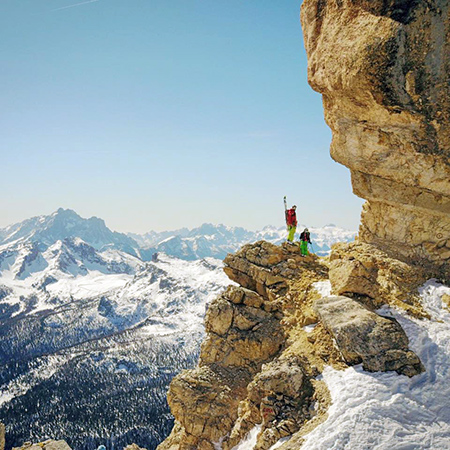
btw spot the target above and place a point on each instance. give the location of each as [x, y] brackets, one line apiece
[291, 222]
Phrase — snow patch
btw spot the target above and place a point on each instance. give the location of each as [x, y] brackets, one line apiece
[323, 287]
[250, 440]
[310, 328]
[91, 285]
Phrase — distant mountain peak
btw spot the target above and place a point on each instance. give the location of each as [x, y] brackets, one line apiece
[66, 223]
[61, 210]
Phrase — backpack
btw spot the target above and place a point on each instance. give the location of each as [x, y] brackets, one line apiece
[291, 217]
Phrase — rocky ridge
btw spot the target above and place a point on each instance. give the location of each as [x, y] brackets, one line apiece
[88, 322]
[383, 71]
[269, 338]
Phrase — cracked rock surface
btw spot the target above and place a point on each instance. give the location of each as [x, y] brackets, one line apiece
[380, 343]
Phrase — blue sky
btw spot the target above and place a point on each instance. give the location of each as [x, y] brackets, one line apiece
[157, 114]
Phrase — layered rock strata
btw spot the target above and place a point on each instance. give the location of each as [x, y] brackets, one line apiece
[267, 341]
[383, 69]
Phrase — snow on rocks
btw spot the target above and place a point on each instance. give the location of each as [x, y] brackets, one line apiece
[250, 440]
[323, 288]
[386, 410]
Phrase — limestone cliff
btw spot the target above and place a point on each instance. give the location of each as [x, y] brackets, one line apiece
[269, 338]
[383, 68]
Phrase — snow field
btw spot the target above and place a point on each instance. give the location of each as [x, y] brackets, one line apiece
[91, 285]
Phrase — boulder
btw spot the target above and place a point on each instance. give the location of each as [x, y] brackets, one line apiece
[278, 399]
[284, 377]
[364, 270]
[379, 343]
[239, 335]
[133, 447]
[205, 402]
[251, 268]
[282, 391]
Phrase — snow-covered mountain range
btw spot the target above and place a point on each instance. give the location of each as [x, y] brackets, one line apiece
[208, 240]
[217, 241]
[94, 324]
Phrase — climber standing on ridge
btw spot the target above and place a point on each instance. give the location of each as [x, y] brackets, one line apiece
[305, 237]
[291, 221]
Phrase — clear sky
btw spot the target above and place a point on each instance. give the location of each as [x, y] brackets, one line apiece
[157, 114]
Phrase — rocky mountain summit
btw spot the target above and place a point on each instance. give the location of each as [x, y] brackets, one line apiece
[269, 338]
[291, 343]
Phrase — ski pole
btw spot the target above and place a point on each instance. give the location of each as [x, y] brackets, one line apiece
[312, 246]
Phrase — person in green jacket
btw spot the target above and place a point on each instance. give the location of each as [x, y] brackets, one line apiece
[305, 238]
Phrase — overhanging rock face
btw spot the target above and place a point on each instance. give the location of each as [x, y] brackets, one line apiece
[383, 68]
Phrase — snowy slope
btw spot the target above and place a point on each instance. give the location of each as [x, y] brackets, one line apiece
[122, 333]
[165, 297]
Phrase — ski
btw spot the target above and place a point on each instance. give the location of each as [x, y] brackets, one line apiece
[285, 210]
